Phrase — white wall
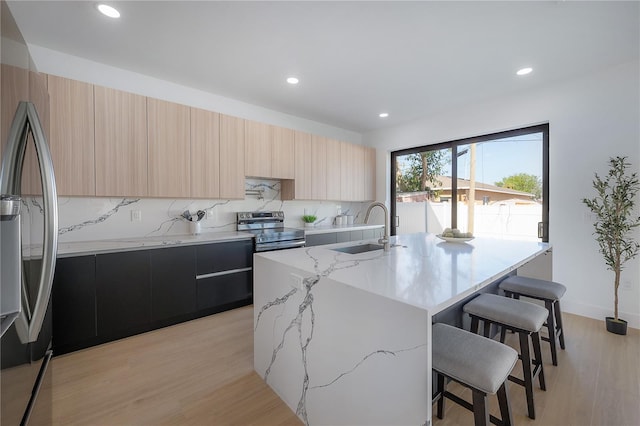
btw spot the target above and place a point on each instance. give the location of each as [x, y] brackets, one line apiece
[591, 119]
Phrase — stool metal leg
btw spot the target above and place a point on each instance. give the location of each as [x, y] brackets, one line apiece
[480, 408]
[487, 328]
[441, 389]
[528, 375]
[475, 324]
[556, 307]
[503, 333]
[505, 407]
[537, 353]
[551, 327]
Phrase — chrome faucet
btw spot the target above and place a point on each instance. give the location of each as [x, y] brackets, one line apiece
[385, 239]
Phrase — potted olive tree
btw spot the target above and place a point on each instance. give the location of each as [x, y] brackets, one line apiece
[615, 218]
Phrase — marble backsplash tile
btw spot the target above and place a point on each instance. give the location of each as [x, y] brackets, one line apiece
[87, 219]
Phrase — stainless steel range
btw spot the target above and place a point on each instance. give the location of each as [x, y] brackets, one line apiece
[270, 233]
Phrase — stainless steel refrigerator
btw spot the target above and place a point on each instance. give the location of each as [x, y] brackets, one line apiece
[28, 237]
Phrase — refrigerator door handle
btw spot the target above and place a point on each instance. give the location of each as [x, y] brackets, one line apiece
[25, 119]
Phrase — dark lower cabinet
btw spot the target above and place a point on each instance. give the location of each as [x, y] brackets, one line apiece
[123, 292]
[74, 303]
[100, 298]
[224, 289]
[173, 282]
[212, 258]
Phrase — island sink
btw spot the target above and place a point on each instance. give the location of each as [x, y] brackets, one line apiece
[361, 248]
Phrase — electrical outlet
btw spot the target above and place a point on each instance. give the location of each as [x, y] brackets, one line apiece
[296, 281]
[209, 214]
[136, 216]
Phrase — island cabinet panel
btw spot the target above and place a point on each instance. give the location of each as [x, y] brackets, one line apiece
[334, 170]
[123, 293]
[168, 132]
[205, 154]
[74, 304]
[321, 239]
[120, 143]
[300, 188]
[224, 275]
[71, 138]
[318, 168]
[258, 149]
[173, 282]
[369, 174]
[232, 140]
[283, 153]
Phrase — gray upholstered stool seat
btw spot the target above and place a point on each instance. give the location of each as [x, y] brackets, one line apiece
[533, 287]
[548, 291]
[524, 318]
[511, 312]
[481, 364]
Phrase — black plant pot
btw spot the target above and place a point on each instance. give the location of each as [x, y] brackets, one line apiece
[617, 327]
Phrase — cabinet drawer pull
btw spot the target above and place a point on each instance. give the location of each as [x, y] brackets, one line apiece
[217, 274]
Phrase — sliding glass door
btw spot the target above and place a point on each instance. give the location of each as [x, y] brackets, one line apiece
[493, 186]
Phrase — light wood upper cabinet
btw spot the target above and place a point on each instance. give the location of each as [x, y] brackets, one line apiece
[269, 151]
[232, 151]
[14, 84]
[318, 168]
[352, 168]
[300, 188]
[334, 169]
[369, 174]
[205, 154]
[258, 149]
[121, 143]
[282, 153]
[72, 136]
[39, 95]
[168, 132]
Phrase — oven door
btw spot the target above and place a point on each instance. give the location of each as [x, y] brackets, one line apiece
[279, 245]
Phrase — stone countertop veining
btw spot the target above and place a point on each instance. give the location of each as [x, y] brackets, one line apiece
[420, 270]
[81, 248]
[339, 228]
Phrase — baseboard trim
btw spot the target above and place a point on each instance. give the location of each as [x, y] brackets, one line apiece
[596, 312]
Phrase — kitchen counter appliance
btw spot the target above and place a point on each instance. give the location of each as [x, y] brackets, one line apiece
[270, 233]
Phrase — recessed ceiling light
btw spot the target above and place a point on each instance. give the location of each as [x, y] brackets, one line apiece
[108, 11]
[292, 80]
[383, 115]
[524, 71]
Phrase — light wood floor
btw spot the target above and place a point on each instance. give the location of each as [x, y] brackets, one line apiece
[201, 373]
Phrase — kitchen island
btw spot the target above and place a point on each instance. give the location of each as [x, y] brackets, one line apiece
[346, 338]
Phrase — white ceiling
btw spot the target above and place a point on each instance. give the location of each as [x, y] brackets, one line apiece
[354, 59]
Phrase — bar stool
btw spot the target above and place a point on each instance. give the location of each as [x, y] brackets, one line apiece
[548, 291]
[523, 318]
[479, 364]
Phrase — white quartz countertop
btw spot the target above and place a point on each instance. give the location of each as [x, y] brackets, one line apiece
[118, 245]
[420, 270]
[339, 228]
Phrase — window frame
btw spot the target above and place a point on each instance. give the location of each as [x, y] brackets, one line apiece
[453, 145]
